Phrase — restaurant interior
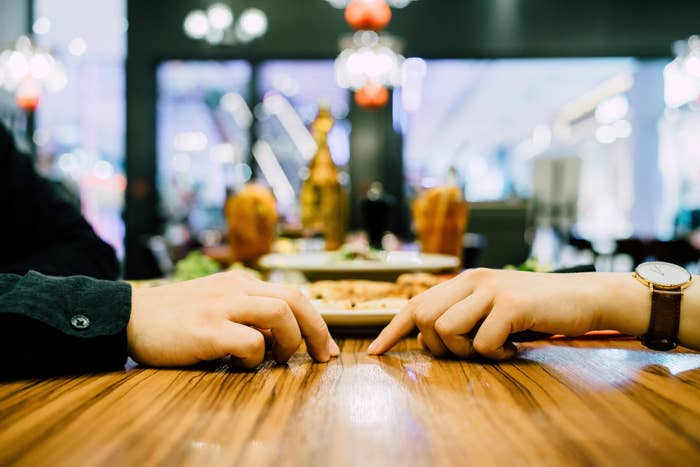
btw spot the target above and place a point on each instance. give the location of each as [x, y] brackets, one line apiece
[408, 149]
[154, 115]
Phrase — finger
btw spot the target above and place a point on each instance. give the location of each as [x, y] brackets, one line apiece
[421, 342]
[333, 348]
[459, 345]
[430, 337]
[439, 298]
[313, 328]
[491, 340]
[445, 294]
[402, 324]
[273, 314]
[241, 342]
[460, 319]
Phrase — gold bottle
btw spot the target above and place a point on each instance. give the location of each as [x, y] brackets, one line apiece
[323, 199]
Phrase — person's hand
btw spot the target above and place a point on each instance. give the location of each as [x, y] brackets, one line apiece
[498, 303]
[229, 313]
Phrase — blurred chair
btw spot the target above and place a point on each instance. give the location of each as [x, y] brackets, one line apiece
[501, 226]
[555, 195]
[472, 247]
[678, 251]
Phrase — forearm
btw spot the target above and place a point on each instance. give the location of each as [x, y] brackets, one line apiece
[624, 304]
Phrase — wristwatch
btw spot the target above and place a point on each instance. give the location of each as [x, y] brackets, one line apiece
[666, 282]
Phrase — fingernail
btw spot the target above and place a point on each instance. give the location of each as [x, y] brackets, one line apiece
[372, 348]
[333, 348]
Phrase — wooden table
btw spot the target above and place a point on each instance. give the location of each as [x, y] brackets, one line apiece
[568, 402]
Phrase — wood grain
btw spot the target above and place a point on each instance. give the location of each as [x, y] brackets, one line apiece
[568, 402]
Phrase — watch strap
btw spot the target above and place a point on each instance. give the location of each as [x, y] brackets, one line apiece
[664, 320]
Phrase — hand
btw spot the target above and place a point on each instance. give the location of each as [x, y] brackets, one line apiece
[230, 313]
[503, 303]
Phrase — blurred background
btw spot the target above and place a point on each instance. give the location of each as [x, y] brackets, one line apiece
[571, 128]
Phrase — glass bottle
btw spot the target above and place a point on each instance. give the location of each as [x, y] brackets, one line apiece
[440, 216]
[324, 202]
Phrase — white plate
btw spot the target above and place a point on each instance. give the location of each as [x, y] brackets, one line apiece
[379, 317]
[327, 265]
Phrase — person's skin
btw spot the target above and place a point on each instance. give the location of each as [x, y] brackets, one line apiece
[230, 313]
[512, 301]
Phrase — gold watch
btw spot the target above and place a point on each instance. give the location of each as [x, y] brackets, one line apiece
[666, 283]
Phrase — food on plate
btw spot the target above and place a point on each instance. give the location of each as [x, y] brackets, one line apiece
[194, 265]
[251, 216]
[359, 290]
[350, 252]
[410, 285]
[365, 295]
[531, 264]
[197, 264]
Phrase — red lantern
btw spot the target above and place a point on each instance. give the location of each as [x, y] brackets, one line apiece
[371, 96]
[28, 95]
[368, 14]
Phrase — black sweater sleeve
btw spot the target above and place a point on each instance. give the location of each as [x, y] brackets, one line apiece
[59, 325]
[40, 229]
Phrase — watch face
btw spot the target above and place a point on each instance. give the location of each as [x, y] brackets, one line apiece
[664, 274]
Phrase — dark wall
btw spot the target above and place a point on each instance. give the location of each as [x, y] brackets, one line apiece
[430, 29]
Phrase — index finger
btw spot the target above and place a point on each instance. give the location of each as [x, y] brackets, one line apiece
[313, 328]
[441, 296]
[402, 324]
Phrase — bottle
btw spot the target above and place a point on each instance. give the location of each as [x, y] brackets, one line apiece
[376, 206]
[440, 216]
[324, 202]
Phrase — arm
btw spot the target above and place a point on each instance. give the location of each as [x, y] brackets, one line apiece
[52, 325]
[627, 307]
[500, 303]
[45, 231]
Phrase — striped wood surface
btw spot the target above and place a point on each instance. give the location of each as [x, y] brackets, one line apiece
[572, 402]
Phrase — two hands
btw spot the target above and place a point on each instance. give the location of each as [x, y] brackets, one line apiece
[475, 313]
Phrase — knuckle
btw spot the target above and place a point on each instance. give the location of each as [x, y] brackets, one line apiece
[424, 318]
[294, 295]
[442, 327]
[280, 309]
[203, 335]
[480, 273]
[481, 347]
[488, 348]
[253, 345]
[238, 275]
[414, 305]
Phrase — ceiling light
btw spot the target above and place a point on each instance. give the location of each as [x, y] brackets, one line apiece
[196, 24]
[220, 16]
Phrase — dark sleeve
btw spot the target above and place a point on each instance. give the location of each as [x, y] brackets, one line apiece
[60, 325]
[42, 229]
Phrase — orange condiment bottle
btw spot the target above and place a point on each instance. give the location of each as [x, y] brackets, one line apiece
[324, 202]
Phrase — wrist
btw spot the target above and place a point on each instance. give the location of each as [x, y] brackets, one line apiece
[689, 328]
[624, 303]
[136, 300]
